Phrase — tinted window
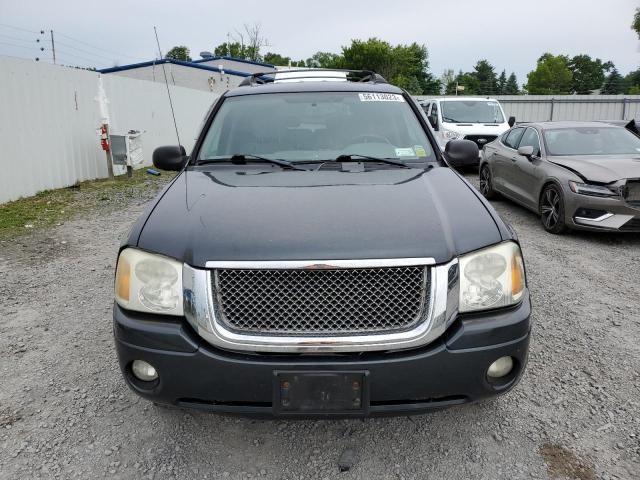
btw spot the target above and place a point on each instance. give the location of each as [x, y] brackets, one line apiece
[471, 111]
[591, 141]
[530, 139]
[316, 126]
[514, 137]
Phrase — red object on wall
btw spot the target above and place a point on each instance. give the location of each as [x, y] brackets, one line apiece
[104, 139]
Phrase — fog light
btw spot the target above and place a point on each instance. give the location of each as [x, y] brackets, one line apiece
[143, 371]
[500, 368]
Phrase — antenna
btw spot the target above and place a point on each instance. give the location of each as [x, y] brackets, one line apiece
[166, 82]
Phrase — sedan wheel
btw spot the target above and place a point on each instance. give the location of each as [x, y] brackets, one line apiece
[552, 210]
[486, 185]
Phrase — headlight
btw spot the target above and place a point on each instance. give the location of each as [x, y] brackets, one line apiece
[449, 135]
[593, 190]
[146, 282]
[491, 278]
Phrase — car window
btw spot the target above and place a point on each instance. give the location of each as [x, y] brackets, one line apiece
[471, 111]
[591, 141]
[317, 126]
[513, 138]
[531, 139]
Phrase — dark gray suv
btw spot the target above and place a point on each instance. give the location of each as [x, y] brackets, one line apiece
[316, 256]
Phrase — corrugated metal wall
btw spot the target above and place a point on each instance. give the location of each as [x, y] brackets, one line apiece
[49, 115]
[539, 108]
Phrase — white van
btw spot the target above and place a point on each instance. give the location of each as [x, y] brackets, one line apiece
[478, 119]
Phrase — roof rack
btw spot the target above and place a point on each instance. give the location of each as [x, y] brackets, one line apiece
[361, 76]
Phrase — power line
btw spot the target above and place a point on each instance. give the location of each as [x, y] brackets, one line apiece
[20, 28]
[84, 51]
[96, 47]
[23, 46]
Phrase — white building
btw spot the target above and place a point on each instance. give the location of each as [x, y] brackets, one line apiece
[213, 74]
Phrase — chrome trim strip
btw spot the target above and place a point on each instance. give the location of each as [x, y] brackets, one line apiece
[599, 219]
[199, 310]
[319, 264]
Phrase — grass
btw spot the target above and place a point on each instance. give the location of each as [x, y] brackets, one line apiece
[52, 207]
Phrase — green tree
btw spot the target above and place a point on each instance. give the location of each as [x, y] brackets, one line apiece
[511, 87]
[588, 74]
[486, 77]
[632, 82]
[636, 22]
[324, 60]
[232, 49]
[552, 76]
[276, 59]
[502, 83]
[613, 84]
[404, 65]
[179, 52]
[448, 82]
[467, 83]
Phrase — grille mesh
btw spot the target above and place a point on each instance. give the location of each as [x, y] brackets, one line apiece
[632, 193]
[321, 302]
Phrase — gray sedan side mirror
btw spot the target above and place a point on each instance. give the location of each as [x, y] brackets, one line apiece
[526, 151]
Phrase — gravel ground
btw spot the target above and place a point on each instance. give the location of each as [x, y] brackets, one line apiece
[65, 411]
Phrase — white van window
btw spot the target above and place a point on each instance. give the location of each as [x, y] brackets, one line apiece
[471, 111]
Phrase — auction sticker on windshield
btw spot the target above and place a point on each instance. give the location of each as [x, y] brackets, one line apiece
[380, 97]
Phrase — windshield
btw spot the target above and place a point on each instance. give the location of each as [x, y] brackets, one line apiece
[591, 141]
[471, 111]
[317, 126]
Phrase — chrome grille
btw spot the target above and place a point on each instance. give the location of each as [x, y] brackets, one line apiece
[321, 302]
[632, 193]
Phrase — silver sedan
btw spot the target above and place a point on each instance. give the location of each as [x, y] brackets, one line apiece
[575, 175]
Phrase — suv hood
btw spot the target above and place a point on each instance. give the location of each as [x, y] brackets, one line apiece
[601, 168]
[230, 213]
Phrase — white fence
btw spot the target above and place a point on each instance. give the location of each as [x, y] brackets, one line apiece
[49, 115]
[544, 108]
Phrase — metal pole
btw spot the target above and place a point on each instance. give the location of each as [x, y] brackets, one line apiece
[552, 104]
[624, 107]
[53, 48]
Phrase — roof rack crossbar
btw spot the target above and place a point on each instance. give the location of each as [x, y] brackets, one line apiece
[260, 78]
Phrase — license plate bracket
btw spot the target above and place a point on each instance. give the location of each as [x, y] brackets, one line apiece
[321, 392]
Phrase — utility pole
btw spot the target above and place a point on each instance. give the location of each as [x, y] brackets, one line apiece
[228, 45]
[53, 48]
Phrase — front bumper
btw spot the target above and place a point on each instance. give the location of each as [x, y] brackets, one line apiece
[449, 371]
[614, 213]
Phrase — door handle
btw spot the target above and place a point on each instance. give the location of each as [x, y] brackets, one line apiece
[514, 159]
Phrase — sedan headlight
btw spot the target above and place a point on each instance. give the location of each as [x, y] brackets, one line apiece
[593, 190]
[450, 135]
[491, 278]
[146, 282]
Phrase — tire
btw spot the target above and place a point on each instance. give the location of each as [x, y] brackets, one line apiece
[552, 210]
[486, 183]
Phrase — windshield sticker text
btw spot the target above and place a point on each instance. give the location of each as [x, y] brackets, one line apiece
[405, 152]
[380, 97]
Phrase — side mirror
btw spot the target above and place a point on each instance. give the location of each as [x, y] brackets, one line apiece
[460, 153]
[170, 157]
[434, 123]
[512, 121]
[526, 151]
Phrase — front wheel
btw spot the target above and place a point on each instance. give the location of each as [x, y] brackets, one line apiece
[552, 210]
[486, 183]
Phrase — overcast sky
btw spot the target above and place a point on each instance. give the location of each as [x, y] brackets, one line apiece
[511, 34]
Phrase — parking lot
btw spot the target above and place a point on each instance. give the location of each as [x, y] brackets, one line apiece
[65, 411]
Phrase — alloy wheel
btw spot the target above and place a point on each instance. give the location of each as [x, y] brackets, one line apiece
[550, 208]
[485, 181]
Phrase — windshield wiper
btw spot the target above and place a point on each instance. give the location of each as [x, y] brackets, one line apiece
[242, 158]
[367, 158]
